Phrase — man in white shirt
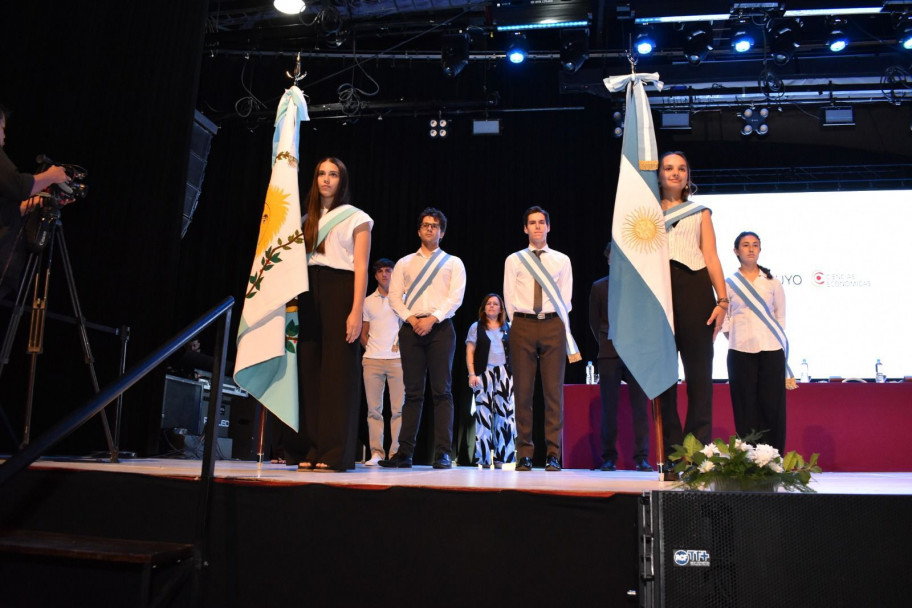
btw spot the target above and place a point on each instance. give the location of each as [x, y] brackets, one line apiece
[538, 337]
[426, 289]
[381, 363]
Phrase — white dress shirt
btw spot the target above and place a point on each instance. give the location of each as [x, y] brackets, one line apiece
[746, 332]
[442, 297]
[519, 284]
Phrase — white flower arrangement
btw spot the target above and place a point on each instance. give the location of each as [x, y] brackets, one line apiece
[741, 464]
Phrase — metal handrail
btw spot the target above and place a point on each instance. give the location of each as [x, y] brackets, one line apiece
[35, 449]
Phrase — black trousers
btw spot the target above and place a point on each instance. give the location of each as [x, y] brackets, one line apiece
[611, 372]
[540, 344]
[429, 356]
[329, 373]
[757, 384]
[693, 303]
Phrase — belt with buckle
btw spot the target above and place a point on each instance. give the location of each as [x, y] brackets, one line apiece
[541, 316]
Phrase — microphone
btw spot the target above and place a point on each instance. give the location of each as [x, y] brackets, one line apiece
[43, 159]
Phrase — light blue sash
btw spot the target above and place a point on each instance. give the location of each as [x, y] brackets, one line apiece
[541, 275]
[679, 212]
[754, 301]
[330, 221]
[422, 282]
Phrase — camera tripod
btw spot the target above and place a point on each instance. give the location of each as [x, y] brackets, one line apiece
[49, 237]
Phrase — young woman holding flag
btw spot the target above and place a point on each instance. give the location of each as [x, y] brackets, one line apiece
[338, 238]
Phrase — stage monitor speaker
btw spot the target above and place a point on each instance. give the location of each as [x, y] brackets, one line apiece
[200, 142]
[186, 405]
[758, 550]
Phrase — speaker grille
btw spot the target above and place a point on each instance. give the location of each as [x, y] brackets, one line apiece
[745, 550]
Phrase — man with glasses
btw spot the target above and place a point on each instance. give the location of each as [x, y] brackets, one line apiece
[425, 290]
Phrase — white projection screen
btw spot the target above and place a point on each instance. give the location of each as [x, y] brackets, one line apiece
[836, 254]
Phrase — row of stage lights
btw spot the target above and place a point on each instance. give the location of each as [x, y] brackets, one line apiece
[783, 36]
[574, 50]
[755, 119]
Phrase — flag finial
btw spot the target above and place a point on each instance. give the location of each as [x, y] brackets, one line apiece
[297, 72]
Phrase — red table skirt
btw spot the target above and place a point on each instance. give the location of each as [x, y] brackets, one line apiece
[853, 426]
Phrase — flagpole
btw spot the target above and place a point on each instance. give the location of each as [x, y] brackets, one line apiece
[261, 434]
[660, 436]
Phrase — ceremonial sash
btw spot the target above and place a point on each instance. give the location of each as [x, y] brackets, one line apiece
[329, 221]
[754, 301]
[541, 275]
[679, 212]
[426, 276]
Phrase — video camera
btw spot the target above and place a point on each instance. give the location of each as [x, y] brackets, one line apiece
[70, 190]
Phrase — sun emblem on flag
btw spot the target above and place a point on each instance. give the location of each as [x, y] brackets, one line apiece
[644, 230]
[274, 213]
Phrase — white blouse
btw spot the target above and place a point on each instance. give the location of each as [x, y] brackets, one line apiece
[745, 331]
[339, 250]
[684, 242]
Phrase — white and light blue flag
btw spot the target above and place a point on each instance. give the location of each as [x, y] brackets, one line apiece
[266, 363]
[640, 317]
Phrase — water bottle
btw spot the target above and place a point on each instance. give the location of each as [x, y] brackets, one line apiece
[805, 374]
[590, 373]
[879, 375]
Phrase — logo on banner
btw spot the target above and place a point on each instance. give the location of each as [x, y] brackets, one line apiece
[691, 557]
[840, 279]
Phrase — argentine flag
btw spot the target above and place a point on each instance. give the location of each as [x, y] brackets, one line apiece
[266, 362]
[641, 322]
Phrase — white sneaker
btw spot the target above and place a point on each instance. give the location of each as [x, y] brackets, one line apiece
[374, 461]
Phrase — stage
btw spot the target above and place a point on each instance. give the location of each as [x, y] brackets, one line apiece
[369, 536]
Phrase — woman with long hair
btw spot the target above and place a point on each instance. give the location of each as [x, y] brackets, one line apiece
[338, 240]
[488, 361]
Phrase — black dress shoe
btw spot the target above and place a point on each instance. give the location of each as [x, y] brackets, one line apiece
[609, 465]
[524, 464]
[443, 461]
[643, 466]
[398, 461]
[552, 464]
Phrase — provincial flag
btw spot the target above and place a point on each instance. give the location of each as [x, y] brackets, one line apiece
[266, 362]
[640, 316]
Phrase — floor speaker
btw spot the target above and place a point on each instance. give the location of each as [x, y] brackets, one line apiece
[747, 550]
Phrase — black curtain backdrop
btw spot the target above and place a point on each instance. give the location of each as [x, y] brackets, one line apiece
[111, 88]
[116, 92]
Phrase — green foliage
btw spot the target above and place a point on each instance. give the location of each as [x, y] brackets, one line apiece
[742, 462]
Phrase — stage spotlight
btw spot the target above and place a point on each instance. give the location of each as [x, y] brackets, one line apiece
[454, 54]
[574, 49]
[439, 128]
[784, 40]
[744, 37]
[755, 121]
[904, 31]
[697, 45]
[516, 52]
[618, 130]
[289, 7]
[645, 42]
[837, 40]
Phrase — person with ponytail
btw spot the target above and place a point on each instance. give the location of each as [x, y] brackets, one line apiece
[755, 326]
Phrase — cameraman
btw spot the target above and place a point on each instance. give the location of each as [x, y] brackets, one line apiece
[17, 197]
